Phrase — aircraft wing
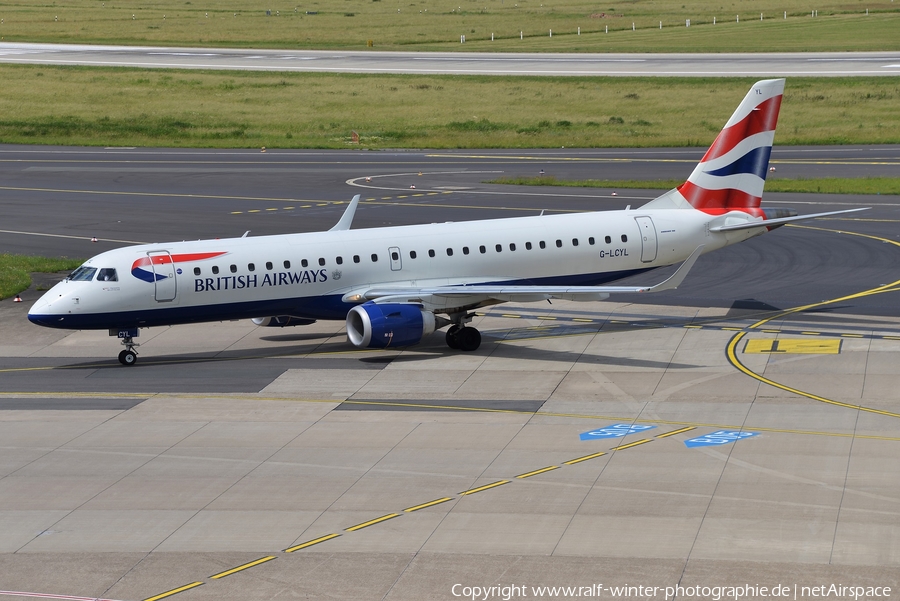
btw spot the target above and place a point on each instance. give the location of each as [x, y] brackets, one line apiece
[472, 294]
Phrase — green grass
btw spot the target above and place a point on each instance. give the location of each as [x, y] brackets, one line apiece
[181, 108]
[15, 270]
[827, 185]
[438, 24]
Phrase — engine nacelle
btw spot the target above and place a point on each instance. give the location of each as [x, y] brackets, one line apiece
[380, 326]
[281, 321]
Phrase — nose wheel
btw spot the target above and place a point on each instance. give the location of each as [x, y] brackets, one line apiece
[128, 357]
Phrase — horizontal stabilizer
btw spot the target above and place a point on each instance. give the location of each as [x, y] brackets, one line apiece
[769, 223]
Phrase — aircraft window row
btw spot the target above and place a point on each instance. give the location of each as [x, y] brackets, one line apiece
[87, 273]
[512, 247]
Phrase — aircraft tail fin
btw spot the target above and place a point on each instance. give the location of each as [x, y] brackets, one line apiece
[732, 173]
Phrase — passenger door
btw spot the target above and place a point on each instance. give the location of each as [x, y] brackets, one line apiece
[163, 275]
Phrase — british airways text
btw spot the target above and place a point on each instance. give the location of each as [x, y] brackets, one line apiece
[239, 282]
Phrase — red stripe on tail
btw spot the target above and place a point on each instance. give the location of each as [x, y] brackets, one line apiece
[762, 118]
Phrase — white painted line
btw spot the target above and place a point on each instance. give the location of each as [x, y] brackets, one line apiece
[51, 596]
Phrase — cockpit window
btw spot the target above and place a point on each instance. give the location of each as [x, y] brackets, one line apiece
[83, 274]
[107, 274]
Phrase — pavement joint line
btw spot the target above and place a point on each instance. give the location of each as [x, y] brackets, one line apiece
[413, 508]
[428, 504]
[243, 567]
[536, 472]
[383, 518]
[174, 591]
[674, 432]
[472, 491]
[631, 444]
[312, 542]
[460, 408]
[584, 458]
[698, 327]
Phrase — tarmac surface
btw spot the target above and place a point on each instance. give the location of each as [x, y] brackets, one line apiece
[762, 64]
[754, 445]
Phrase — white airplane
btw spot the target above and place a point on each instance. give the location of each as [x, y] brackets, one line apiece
[395, 285]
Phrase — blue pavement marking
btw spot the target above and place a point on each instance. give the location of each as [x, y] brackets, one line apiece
[718, 438]
[613, 431]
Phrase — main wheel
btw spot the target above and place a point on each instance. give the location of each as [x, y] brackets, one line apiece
[453, 336]
[128, 358]
[469, 339]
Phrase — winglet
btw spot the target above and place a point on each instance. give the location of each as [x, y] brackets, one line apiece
[347, 217]
[676, 278]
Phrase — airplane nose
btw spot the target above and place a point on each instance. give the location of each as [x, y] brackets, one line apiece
[41, 314]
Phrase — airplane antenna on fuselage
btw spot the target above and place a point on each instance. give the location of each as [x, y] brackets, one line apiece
[347, 217]
[245, 234]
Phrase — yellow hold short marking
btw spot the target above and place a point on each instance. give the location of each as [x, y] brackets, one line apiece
[794, 346]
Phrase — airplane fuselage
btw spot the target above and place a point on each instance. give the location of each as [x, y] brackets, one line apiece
[307, 275]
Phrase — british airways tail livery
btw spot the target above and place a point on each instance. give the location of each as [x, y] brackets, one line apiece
[394, 285]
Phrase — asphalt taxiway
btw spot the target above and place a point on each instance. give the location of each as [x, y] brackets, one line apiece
[236, 462]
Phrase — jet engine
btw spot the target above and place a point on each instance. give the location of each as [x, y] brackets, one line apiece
[389, 325]
[281, 321]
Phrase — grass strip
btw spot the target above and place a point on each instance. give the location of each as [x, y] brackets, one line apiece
[491, 25]
[15, 270]
[242, 109]
[827, 185]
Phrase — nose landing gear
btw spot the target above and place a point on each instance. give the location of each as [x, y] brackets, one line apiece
[128, 357]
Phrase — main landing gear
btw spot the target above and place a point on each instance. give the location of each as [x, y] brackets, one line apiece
[128, 357]
[462, 337]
